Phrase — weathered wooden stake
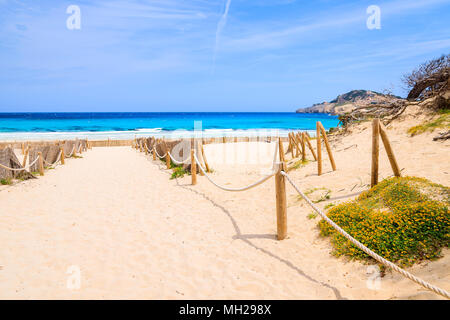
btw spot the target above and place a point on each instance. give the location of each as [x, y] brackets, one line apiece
[281, 151]
[308, 142]
[63, 156]
[23, 148]
[154, 152]
[296, 143]
[327, 145]
[41, 164]
[280, 194]
[389, 151]
[204, 159]
[319, 150]
[167, 156]
[375, 151]
[303, 145]
[25, 157]
[292, 145]
[193, 168]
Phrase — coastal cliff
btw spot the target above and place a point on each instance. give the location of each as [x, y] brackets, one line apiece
[348, 102]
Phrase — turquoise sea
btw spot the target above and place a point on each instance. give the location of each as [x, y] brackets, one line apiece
[127, 125]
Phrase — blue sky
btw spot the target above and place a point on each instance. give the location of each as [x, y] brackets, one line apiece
[209, 55]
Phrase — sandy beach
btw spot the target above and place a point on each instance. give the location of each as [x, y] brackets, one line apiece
[133, 233]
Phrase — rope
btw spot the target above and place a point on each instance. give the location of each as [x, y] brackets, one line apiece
[159, 155]
[71, 153]
[233, 189]
[20, 169]
[178, 162]
[148, 150]
[54, 163]
[367, 250]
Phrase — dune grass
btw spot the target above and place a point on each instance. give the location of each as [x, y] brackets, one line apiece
[441, 122]
[7, 181]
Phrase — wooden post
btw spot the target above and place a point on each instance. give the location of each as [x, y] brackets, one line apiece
[292, 145]
[327, 145]
[154, 152]
[280, 194]
[296, 140]
[23, 148]
[308, 142]
[375, 151]
[390, 153]
[297, 144]
[63, 156]
[145, 148]
[224, 139]
[303, 145]
[319, 150]
[204, 159]
[25, 157]
[193, 168]
[74, 152]
[198, 152]
[167, 157]
[41, 164]
[281, 151]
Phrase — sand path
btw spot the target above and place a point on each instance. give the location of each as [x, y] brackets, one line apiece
[133, 233]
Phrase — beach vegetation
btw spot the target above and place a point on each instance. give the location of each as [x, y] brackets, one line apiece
[178, 172]
[298, 164]
[6, 181]
[328, 206]
[440, 122]
[403, 219]
[312, 215]
[317, 195]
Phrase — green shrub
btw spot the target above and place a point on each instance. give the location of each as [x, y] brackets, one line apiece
[312, 215]
[6, 181]
[442, 121]
[178, 172]
[397, 219]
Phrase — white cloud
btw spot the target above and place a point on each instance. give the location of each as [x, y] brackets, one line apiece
[220, 26]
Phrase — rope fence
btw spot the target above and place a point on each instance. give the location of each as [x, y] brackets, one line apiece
[79, 146]
[297, 146]
[362, 247]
